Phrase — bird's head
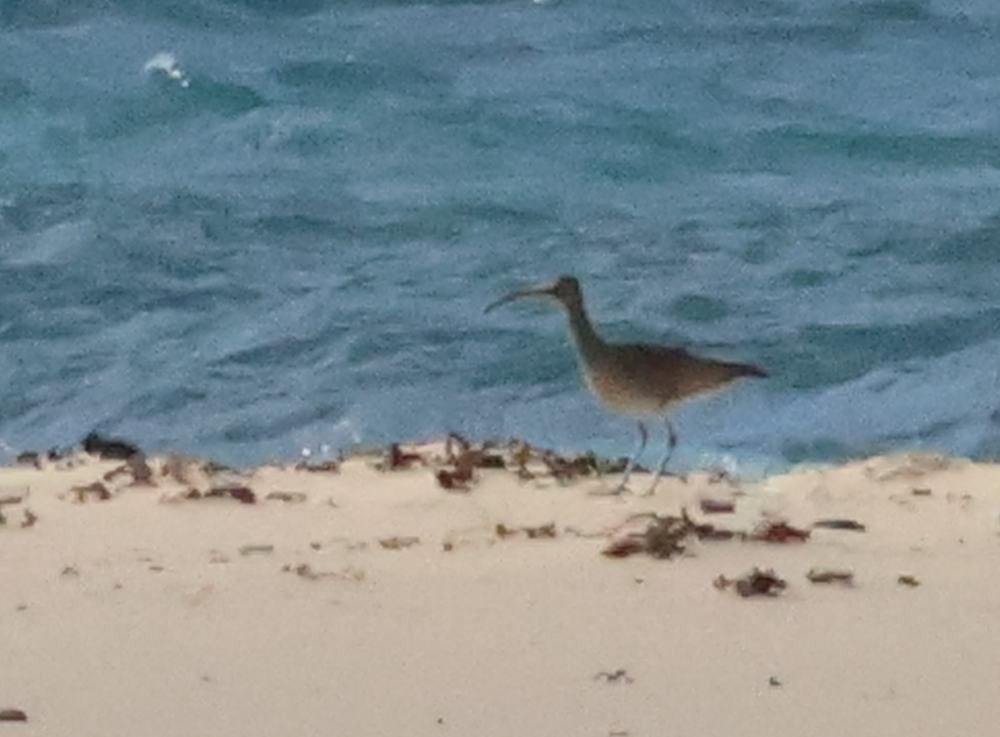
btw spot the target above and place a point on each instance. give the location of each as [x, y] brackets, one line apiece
[565, 290]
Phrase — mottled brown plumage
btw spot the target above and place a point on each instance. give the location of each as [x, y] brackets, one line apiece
[641, 379]
[636, 379]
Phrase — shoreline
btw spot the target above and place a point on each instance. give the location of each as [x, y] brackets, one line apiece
[353, 600]
[748, 467]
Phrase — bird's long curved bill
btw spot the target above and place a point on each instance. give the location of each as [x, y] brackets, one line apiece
[520, 294]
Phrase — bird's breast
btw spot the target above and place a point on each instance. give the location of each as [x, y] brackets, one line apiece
[622, 394]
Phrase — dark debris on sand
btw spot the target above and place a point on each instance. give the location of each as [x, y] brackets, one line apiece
[778, 531]
[617, 676]
[289, 497]
[756, 582]
[717, 506]
[839, 524]
[239, 492]
[663, 537]
[109, 448]
[456, 471]
[29, 458]
[96, 490]
[568, 468]
[462, 459]
[398, 542]
[136, 467]
[243, 494]
[398, 460]
[532, 533]
[318, 466]
[29, 517]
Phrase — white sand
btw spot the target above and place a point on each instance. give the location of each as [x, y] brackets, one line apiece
[497, 636]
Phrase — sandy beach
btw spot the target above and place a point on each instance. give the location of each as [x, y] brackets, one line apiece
[176, 598]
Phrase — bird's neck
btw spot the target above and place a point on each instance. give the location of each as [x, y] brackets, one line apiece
[588, 342]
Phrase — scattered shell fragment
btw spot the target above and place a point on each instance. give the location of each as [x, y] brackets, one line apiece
[304, 570]
[906, 579]
[292, 497]
[13, 715]
[830, 575]
[584, 534]
[398, 542]
[256, 549]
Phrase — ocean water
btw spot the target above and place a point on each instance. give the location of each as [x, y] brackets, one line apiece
[245, 228]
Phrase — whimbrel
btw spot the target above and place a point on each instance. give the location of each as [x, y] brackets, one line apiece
[635, 379]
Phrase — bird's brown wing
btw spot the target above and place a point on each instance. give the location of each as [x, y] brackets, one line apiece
[674, 373]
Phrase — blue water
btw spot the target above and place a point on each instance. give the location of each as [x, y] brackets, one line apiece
[243, 228]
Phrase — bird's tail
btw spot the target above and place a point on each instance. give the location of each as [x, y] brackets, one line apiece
[746, 369]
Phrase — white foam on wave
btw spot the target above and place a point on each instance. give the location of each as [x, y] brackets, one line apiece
[166, 64]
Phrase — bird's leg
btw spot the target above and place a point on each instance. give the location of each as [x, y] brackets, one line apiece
[643, 436]
[623, 486]
[671, 444]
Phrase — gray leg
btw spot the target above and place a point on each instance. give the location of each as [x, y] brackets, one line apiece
[623, 486]
[643, 436]
[671, 444]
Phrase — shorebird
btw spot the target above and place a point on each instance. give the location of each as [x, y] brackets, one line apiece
[637, 380]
